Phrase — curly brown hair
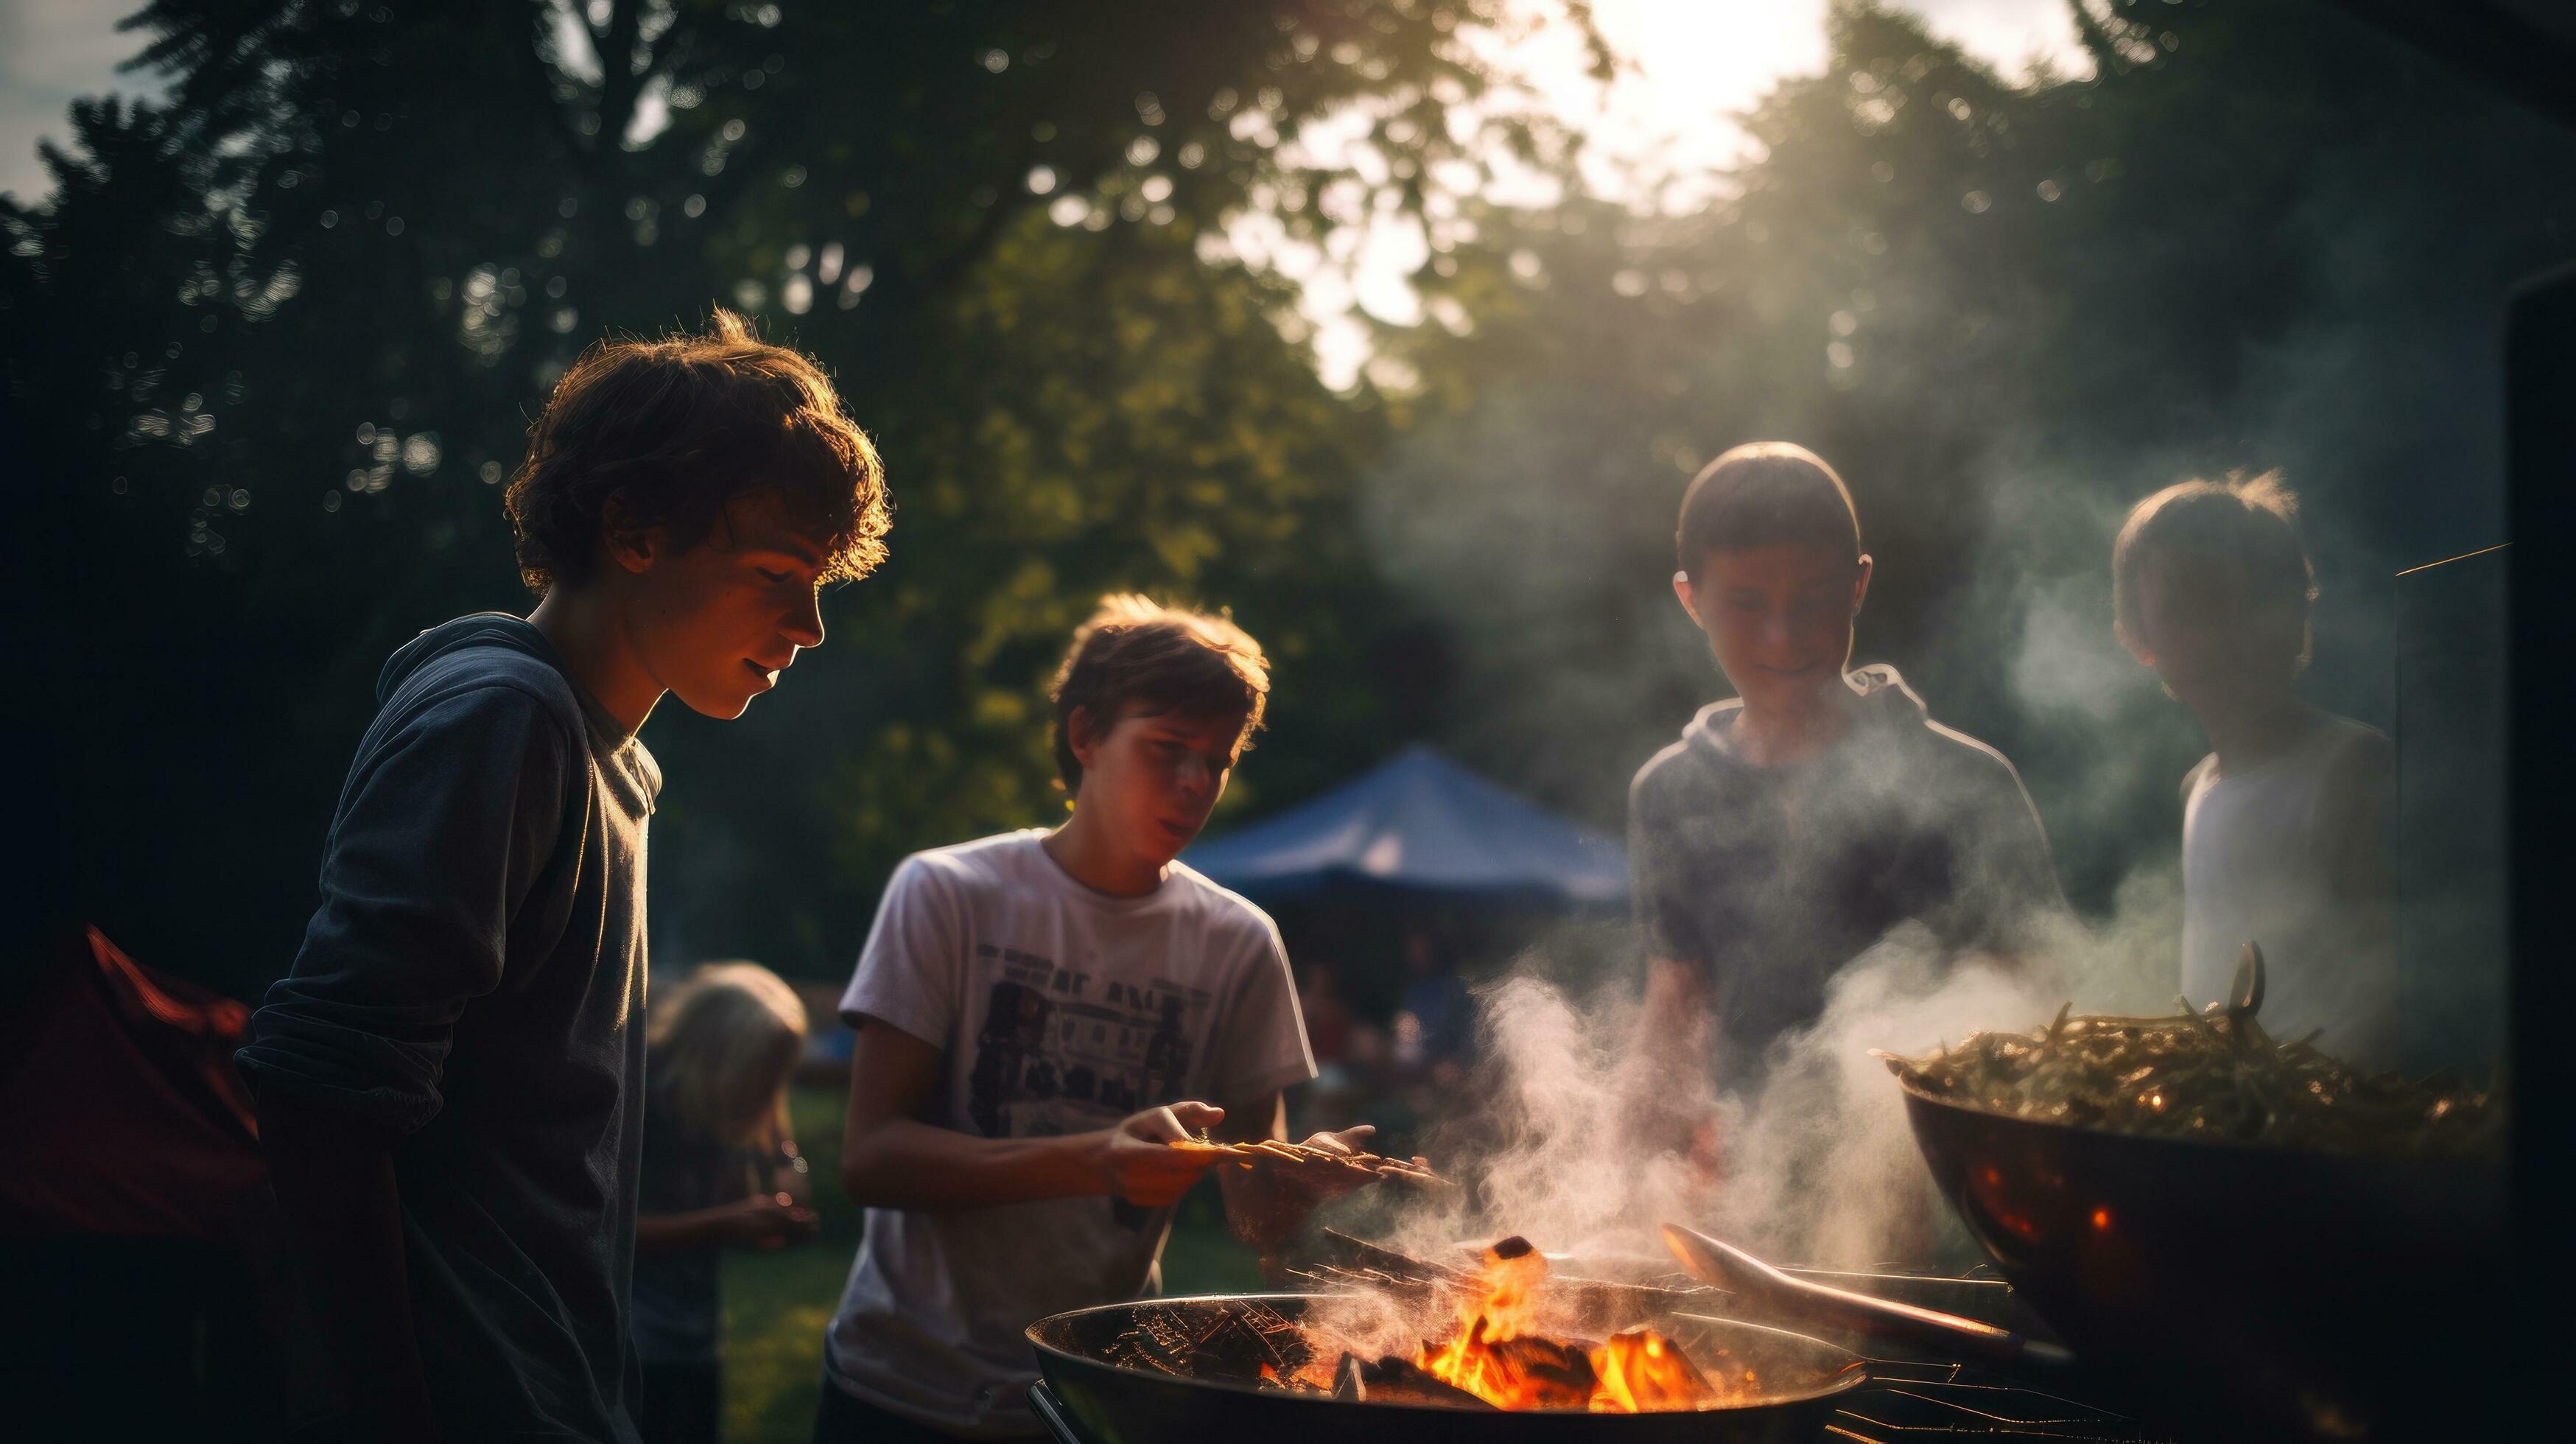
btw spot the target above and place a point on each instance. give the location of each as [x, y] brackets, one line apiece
[671, 432]
[1163, 658]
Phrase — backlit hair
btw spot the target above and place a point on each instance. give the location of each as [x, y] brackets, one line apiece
[1765, 493]
[1162, 659]
[719, 1051]
[671, 432]
[2251, 522]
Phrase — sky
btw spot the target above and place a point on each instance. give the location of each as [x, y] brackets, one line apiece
[52, 51]
[1686, 69]
[1687, 66]
[1690, 64]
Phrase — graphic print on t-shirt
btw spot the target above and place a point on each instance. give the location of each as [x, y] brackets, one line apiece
[1060, 1047]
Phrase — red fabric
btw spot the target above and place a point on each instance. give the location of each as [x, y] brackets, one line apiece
[120, 1111]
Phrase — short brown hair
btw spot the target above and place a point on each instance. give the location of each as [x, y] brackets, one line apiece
[1163, 658]
[671, 432]
[2250, 521]
[1765, 493]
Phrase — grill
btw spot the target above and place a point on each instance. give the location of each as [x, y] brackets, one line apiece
[1907, 1398]
[1920, 1397]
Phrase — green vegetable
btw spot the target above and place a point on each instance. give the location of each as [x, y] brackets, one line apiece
[2212, 1074]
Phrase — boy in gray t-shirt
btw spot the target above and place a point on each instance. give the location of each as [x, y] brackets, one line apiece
[1040, 1014]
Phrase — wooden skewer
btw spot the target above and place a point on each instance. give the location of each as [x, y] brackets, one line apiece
[1273, 1148]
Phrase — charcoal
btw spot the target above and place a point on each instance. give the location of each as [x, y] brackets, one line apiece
[1392, 1380]
[1244, 1338]
[1348, 1385]
[1229, 1341]
[1297, 1383]
[1135, 1349]
[1556, 1373]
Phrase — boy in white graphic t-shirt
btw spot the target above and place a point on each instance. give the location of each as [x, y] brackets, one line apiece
[1039, 1014]
[2285, 834]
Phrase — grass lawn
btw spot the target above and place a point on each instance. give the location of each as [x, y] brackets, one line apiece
[777, 1304]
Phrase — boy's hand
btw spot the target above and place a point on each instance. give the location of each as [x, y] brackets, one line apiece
[767, 1221]
[1136, 1159]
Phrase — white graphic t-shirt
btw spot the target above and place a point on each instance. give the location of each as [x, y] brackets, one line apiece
[1059, 1010]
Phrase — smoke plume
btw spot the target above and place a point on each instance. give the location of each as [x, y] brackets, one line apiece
[1815, 1162]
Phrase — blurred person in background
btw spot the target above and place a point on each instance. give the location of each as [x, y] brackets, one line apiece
[1431, 1032]
[2285, 832]
[1328, 1017]
[1436, 1020]
[1798, 822]
[1332, 1101]
[718, 1056]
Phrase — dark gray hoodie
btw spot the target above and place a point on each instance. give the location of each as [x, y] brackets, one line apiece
[473, 986]
[1772, 878]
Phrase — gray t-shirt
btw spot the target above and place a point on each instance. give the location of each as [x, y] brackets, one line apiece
[1770, 879]
[1058, 1010]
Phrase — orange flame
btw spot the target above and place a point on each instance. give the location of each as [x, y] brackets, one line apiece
[1641, 1371]
[1498, 1356]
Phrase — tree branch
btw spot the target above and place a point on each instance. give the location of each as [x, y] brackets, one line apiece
[621, 83]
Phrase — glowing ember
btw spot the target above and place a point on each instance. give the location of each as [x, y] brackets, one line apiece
[1498, 1356]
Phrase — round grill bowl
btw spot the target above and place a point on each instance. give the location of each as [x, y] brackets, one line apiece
[1126, 1405]
[2254, 1292]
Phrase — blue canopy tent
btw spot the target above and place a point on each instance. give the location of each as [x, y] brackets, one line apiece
[1419, 824]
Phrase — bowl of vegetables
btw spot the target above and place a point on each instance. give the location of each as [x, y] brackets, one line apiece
[2249, 1230]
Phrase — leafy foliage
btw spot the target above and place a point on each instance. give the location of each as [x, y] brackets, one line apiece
[2259, 234]
[276, 339]
[270, 343]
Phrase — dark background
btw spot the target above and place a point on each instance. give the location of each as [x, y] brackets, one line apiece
[269, 342]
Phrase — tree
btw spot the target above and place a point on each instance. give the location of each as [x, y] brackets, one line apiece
[272, 344]
[2258, 234]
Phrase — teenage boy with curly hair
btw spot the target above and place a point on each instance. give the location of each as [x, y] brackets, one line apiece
[450, 1076]
[1039, 1015]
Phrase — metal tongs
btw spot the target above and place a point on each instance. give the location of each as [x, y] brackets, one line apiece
[1776, 1294]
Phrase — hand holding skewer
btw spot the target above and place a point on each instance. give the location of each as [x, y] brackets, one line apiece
[1143, 1161]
